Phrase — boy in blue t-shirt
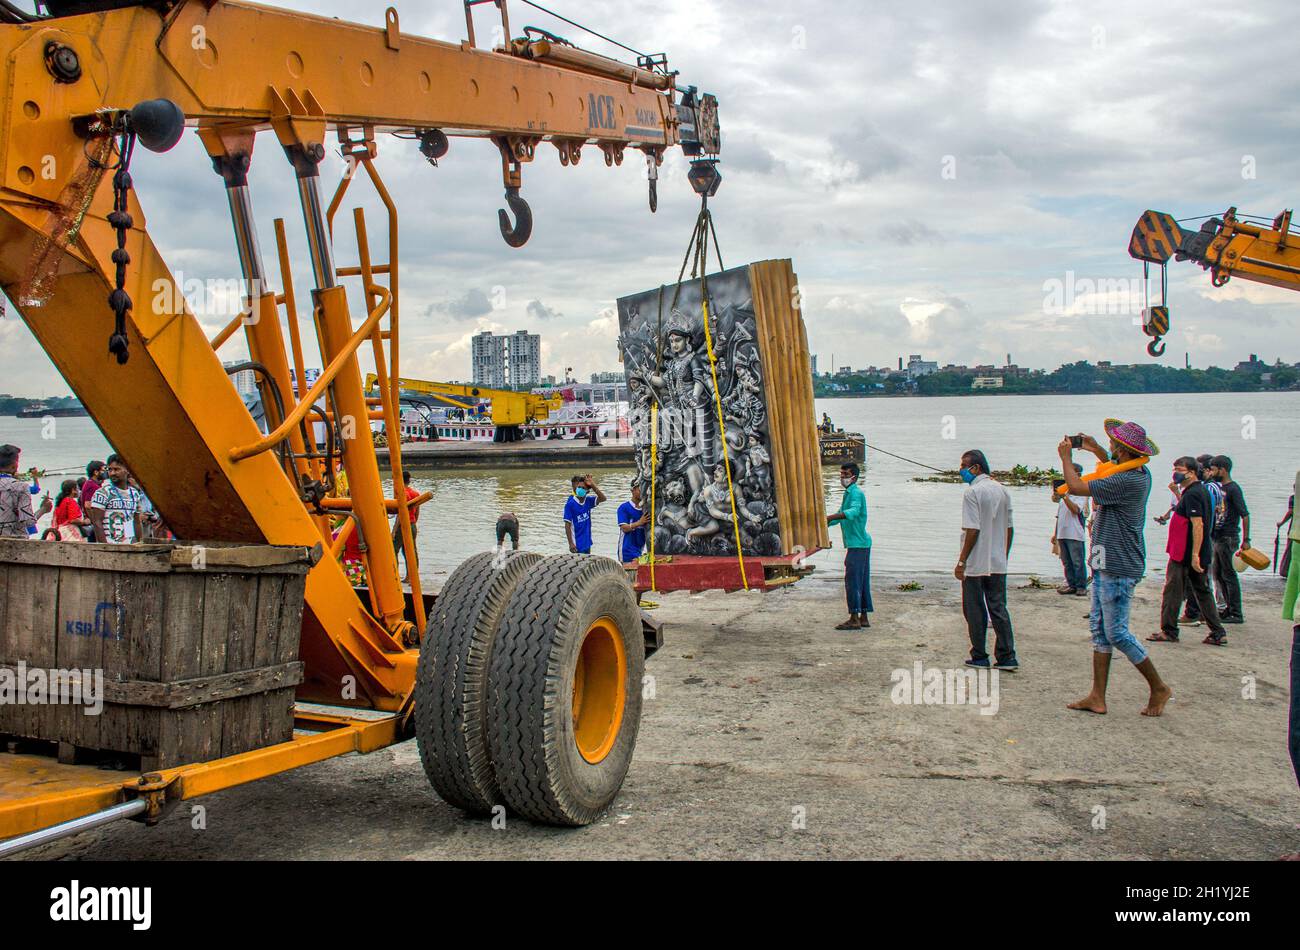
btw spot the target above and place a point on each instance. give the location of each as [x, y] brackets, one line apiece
[632, 521]
[577, 513]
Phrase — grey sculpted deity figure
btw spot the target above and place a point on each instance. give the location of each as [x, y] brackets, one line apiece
[666, 359]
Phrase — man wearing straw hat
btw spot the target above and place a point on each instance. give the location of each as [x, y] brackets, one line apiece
[1119, 493]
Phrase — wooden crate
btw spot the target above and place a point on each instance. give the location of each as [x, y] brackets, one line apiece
[763, 374]
[198, 645]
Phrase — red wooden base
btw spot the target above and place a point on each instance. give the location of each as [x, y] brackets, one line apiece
[691, 572]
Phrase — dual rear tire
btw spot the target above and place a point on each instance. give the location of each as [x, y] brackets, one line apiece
[529, 686]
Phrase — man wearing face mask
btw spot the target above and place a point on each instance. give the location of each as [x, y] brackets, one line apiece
[1118, 554]
[1191, 612]
[852, 517]
[1189, 550]
[982, 564]
[577, 513]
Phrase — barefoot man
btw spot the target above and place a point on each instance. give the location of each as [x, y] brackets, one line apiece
[1118, 555]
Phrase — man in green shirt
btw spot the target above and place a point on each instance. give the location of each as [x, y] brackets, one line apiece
[852, 517]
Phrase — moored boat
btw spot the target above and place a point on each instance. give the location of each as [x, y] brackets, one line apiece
[840, 447]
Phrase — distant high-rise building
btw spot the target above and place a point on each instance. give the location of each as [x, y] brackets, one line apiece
[245, 380]
[513, 360]
[601, 379]
[814, 365]
[488, 360]
[524, 356]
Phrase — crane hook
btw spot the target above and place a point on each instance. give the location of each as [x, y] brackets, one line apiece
[517, 235]
[1156, 348]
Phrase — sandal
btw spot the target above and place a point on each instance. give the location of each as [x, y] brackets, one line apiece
[1162, 637]
[1216, 641]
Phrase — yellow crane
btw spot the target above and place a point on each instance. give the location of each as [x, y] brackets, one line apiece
[509, 412]
[1225, 246]
[88, 81]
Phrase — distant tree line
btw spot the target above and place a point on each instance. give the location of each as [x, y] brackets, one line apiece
[1073, 378]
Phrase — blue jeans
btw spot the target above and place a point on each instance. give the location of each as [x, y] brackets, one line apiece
[857, 580]
[1075, 561]
[1112, 596]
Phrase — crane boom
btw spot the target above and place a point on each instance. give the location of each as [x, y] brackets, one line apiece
[1227, 247]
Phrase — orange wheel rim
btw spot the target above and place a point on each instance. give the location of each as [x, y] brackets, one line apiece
[599, 690]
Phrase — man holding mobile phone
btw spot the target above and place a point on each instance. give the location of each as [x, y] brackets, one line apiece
[1118, 555]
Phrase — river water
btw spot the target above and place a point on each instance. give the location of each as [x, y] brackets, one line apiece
[914, 525]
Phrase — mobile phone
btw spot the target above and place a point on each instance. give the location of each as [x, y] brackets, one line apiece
[1057, 482]
[1076, 441]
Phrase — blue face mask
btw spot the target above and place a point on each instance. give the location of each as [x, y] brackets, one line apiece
[967, 475]
[580, 493]
[1179, 477]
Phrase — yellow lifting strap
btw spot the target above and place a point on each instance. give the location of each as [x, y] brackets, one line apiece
[654, 464]
[697, 254]
[722, 429]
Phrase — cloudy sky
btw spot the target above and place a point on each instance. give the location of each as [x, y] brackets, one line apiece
[951, 179]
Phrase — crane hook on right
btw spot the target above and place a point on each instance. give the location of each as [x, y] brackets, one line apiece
[1155, 324]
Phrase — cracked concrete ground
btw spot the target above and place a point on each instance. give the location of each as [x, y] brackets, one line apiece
[772, 735]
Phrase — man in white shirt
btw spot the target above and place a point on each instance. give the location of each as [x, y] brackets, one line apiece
[117, 509]
[982, 564]
[1070, 537]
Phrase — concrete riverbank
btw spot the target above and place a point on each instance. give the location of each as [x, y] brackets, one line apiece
[772, 735]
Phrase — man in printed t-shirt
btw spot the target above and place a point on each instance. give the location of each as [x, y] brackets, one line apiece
[117, 510]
